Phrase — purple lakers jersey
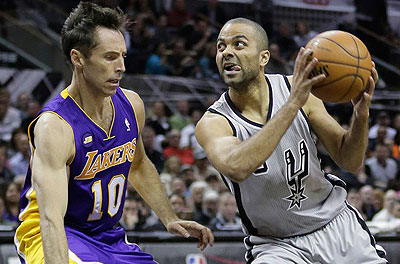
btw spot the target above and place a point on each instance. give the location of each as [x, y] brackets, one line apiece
[98, 173]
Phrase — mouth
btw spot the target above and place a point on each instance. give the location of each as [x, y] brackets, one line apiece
[231, 68]
[114, 81]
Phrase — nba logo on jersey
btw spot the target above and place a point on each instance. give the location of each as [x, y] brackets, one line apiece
[128, 126]
[196, 259]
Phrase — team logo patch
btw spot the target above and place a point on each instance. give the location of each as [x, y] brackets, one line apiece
[87, 140]
[295, 177]
[196, 259]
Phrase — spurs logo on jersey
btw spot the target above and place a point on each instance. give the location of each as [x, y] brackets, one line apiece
[295, 178]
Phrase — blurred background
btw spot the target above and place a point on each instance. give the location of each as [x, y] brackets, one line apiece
[171, 64]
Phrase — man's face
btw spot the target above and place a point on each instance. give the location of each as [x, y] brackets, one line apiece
[103, 69]
[238, 57]
[228, 207]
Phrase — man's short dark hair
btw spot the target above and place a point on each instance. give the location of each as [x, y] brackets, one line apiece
[79, 28]
[259, 32]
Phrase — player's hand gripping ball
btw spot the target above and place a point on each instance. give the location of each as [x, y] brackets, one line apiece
[345, 61]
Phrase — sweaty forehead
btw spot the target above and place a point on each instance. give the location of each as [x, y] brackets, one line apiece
[236, 29]
[109, 40]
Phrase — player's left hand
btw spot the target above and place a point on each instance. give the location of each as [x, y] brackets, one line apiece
[363, 101]
[192, 229]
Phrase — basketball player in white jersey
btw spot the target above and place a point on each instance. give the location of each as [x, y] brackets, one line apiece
[261, 136]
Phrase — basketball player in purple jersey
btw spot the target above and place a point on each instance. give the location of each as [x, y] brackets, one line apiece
[86, 146]
[266, 126]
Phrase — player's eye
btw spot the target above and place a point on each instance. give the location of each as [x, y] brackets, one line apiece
[240, 44]
[220, 46]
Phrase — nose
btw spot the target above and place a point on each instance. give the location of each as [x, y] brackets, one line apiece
[227, 52]
[121, 65]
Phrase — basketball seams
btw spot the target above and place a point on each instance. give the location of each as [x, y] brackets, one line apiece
[336, 80]
[357, 71]
[334, 41]
[342, 63]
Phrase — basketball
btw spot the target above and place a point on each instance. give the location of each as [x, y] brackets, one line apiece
[345, 61]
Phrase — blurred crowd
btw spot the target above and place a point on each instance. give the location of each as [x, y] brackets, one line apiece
[169, 39]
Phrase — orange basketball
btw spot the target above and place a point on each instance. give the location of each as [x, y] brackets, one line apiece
[345, 61]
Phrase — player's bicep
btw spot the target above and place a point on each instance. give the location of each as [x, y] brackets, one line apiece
[53, 149]
[328, 131]
[215, 135]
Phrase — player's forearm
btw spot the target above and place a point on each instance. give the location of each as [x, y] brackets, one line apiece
[253, 152]
[55, 246]
[355, 141]
[147, 183]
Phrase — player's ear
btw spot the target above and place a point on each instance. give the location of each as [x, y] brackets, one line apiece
[76, 58]
[264, 57]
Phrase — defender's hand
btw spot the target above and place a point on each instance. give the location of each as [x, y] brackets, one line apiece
[191, 228]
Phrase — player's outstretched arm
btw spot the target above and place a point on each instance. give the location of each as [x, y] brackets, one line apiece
[238, 160]
[346, 147]
[144, 177]
[53, 148]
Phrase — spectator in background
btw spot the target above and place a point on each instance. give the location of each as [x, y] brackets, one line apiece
[202, 167]
[215, 182]
[381, 138]
[181, 118]
[181, 61]
[276, 63]
[131, 219]
[157, 62]
[179, 187]
[142, 44]
[187, 174]
[209, 208]
[367, 197]
[178, 15]
[154, 155]
[33, 110]
[385, 214]
[354, 199]
[303, 34]
[158, 120]
[226, 218]
[199, 36]
[22, 103]
[178, 204]
[4, 221]
[188, 140]
[173, 148]
[285, 41]
[213, 13]
[382, 168]
[171, 170]
[19, 163]
[10, 117]
[207, 65]
[161, 33]
[11, 201]
[6, 175]
[195, 199]
[393, 223]
[383, 120]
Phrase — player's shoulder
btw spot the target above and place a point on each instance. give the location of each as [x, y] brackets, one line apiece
[136, 102]
[213, 122]
[52, 131]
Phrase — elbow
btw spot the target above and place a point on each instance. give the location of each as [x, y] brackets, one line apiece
[238, 173]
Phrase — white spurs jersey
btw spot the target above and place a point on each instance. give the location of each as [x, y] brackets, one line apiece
[289, 194]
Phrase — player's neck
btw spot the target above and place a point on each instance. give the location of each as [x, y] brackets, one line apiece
[87, 98]
[252, 98]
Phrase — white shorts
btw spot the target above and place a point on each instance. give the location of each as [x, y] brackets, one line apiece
[344, 240]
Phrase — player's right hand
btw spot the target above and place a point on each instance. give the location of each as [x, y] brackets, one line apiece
[301, 83]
